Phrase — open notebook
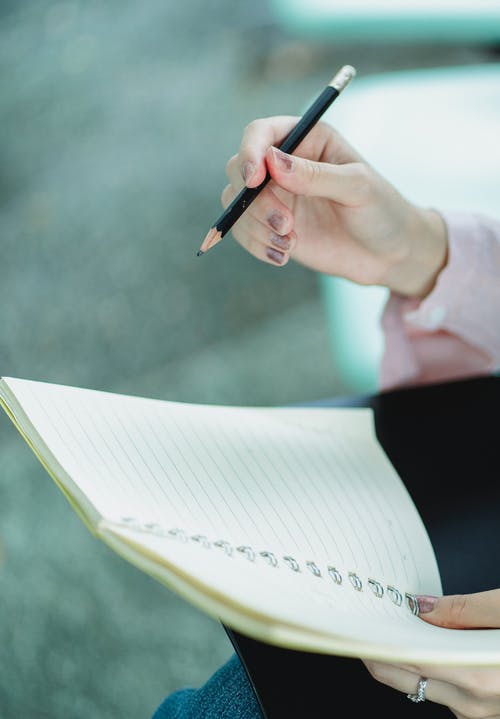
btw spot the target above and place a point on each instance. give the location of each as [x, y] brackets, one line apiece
[289, 525]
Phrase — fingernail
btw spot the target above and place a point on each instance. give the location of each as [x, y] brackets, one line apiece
[426, 603]
[282, 242]
[275, 256]
[276, 220]
[284, 161]
[247, 170]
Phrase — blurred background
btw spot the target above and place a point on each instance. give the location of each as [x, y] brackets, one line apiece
[117, 121]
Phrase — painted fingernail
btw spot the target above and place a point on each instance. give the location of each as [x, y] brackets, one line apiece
[284, 161]
[275, 256]
[276, 220]
[247, 170]
[282, 242]
[426, 603]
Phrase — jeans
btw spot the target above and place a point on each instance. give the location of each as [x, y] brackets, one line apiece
[226, 695]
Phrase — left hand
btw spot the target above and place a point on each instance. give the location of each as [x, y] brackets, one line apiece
[469, 692]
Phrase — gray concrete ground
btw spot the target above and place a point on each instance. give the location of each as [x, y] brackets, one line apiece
[117, 119]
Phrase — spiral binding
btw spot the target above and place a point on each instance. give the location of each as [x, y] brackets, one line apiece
[396, 597]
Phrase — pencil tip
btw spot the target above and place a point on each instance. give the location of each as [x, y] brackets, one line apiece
[199, 253]
[212, 238]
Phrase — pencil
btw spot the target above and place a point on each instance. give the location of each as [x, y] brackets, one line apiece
[248, 194]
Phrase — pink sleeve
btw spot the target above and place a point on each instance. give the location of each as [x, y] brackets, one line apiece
[455, 331]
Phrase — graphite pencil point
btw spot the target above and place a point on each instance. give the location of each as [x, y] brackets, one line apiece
[212, 238]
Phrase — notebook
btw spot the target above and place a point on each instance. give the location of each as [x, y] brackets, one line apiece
[289, 525]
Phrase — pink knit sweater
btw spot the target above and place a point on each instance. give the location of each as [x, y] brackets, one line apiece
[455, 331]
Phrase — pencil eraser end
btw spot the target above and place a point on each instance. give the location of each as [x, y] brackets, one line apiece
[343, 77]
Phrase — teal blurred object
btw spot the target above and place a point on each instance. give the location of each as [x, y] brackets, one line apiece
[386, 20]
[434, 134]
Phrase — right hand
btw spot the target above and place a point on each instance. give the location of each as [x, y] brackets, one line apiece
[329, 210]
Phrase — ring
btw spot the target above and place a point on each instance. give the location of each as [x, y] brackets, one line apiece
[420, 695]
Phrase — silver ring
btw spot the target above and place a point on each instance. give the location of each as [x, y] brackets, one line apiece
[420, 695]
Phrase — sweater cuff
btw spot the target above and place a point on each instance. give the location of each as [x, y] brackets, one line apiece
[466, 298]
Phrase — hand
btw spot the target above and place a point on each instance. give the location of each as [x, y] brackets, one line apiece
[332, 212]
[468, 691]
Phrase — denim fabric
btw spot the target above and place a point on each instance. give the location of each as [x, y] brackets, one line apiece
[226, 695]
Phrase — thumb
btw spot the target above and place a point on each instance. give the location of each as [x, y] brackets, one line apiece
[462, 611]
[301, 176]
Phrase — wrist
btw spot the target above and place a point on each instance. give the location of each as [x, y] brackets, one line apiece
[425, 254]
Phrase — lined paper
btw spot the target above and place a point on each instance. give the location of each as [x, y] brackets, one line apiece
[311, 483]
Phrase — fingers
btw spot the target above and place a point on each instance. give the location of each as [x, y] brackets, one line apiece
[257, 137]
[266, 228]
[462, 611]
[407, 682]
[346, 184]
[323, 143]
[467, 692]
[343, 177]
[267, 208]
[258, 237]
[478, 681]
[463, 702]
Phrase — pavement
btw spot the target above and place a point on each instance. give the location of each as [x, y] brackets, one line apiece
[117, 120]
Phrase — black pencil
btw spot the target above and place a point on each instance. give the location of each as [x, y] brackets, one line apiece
[248, 194]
